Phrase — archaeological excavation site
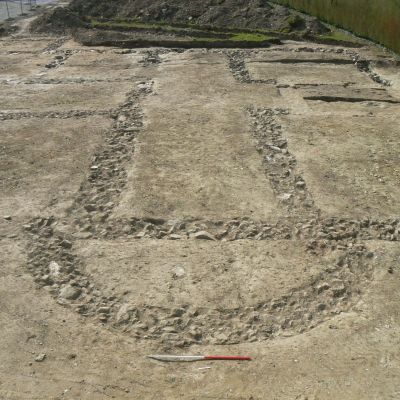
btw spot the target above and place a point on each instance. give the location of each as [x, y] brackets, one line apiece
[198, 178]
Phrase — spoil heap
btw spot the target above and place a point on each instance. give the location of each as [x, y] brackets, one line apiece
[254, 14]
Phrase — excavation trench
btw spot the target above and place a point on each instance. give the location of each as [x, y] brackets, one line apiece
[64, 255]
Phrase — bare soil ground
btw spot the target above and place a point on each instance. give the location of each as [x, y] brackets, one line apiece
[196, 202]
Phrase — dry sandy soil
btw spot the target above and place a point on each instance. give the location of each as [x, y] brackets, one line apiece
[198, 202]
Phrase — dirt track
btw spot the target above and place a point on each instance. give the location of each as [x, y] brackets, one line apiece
[199, 201]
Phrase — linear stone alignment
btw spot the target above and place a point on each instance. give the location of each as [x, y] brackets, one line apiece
[56, 44]
[365, 66]
[329, 233]
[290, 187]
[107, 178]
[60, 58]
[332, 232]
[5, 116]
[64, 81]
[152, 57]
[238, 67]
[239, 70]
[152, 228]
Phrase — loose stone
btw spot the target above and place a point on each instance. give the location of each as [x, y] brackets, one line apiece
[70, 292]
[41, 357]
[203, 235]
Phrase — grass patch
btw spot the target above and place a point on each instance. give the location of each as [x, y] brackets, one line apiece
[206, 34]
[295, 22]
[249, 37]
[205, 39]
[341, 37]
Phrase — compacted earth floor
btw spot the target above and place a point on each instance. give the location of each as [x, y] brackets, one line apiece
[208, 201]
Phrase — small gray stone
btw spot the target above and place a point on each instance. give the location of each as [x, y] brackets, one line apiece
[103, 317]
[7, 217]
[322, 287]
[83, 235]
[179, 272]
[195, 334]
[90, 207]
[300, 184]
[168, 337]
[70, 292]
[204, 235]
[275, 148]
[66, 244]
[55, 269]
[41, 357]
[124, 313]
[221, 338]
[46, 279]
[338, 288]
[178, 312]
[285, 197]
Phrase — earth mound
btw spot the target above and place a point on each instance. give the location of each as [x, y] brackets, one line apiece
[254, 14]
[58, 20]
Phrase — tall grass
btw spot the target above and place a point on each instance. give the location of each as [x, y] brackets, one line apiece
[378, 20]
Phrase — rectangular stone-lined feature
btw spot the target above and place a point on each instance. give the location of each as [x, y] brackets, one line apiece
[196, 157]
[44, 161]
[307, 73]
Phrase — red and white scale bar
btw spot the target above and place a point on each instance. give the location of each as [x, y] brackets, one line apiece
[197, 358]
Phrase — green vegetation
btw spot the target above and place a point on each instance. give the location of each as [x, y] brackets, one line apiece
[214, 34]
[340, 36]
[249, 37]
[295, 21]
[378, 20]
[201, 34]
